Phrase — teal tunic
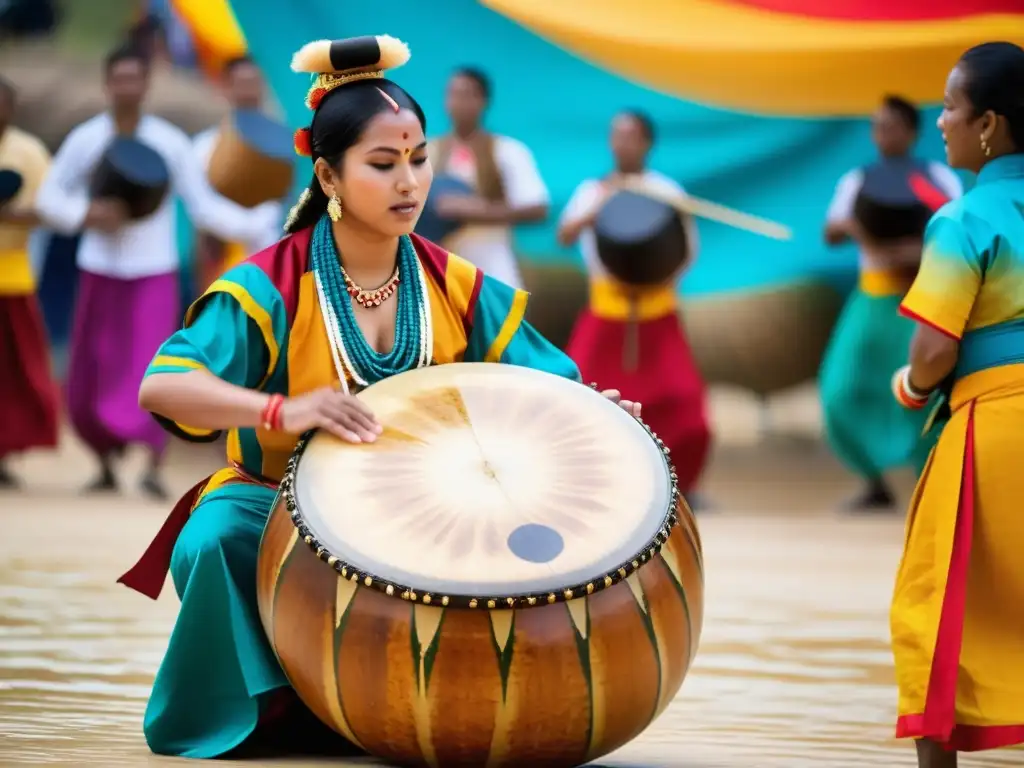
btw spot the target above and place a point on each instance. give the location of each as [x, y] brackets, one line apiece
[219, 668]
[865, 426]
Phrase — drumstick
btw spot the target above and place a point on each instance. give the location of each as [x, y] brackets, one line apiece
[706, 209]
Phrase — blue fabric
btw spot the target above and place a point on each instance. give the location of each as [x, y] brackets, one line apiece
[865, 426]
[989, 347]
[205, 698]
[783, 169]
[526, 347]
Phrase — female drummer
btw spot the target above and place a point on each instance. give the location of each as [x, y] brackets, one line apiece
[958, 608]
[277, 346]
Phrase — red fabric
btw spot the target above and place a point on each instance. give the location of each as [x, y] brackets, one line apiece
[29, 397]
[666, 383]
[926, 192]
[285, 262]
[148, 575]
[886, 10]
[938, 721]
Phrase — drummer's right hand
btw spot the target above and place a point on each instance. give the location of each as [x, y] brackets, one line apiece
[107, 215]
[342, 415]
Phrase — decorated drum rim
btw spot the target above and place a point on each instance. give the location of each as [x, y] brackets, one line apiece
[356, 574]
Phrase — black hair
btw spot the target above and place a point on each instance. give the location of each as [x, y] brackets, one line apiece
[339, 124]
[235, 62]
[905, 110]
[8, 90]
[477, 76]
[645, 122]
[127, 52]
[995, 81]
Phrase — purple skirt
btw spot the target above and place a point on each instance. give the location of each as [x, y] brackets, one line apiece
[119, 326]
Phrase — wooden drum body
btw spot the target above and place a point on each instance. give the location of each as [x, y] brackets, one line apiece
[896, 200]
[640, 240]
[132, 171]
[433, 226]
[253, 159]
[507, 577]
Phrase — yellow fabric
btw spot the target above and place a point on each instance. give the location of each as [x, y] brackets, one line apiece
[182, 362]
[508, 328]
[24, 153]
[219, 478]
[611, 300]
[883, 282]
[752, 60]
[252, 308]
[213, 24]
[990, 689]
[234, 254]
[310, 365]
[16, 277]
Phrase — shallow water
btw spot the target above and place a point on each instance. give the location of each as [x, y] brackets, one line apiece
[794, 668]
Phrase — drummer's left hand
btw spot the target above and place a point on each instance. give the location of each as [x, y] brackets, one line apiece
[630, 407]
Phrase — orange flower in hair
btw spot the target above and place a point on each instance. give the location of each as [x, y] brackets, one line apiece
[303, 143]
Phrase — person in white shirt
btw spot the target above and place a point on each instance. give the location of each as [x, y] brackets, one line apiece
[867, 429]
[660, 370]
[244, 88]
[128, 299]
[502, 171]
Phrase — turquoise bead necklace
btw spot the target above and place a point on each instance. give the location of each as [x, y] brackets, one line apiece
[353, 356]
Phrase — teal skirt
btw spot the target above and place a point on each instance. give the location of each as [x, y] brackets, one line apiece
[219, 673]
[865, 426]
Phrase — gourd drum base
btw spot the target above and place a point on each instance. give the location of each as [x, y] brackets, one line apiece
[506, 577]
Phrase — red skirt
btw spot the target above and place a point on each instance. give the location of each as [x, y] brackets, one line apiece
[29, 398]
[665, 382]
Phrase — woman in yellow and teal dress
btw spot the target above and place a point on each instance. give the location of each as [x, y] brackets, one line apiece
[276, 347]
[958, 608]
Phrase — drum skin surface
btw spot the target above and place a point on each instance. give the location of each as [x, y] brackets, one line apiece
[492, 485]
[11, 183]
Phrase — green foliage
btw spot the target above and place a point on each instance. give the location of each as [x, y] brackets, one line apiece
[94, 26]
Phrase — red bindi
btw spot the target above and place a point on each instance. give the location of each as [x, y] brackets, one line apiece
[405, 135]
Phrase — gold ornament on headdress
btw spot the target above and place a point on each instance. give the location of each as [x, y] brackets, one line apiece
[333, 63]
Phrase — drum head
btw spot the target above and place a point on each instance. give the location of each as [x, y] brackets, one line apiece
[10, 184]
[640, 240]
[268, 137]
[430, 225]
[488, 481]
[138, 163]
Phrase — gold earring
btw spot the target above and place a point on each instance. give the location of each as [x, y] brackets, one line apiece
[334, 208]
[985, 147]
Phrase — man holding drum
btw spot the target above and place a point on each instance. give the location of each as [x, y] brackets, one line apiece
[506, 186]
[244, 88]
[127, 300]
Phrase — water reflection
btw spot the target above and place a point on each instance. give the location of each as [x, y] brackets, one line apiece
[794, 669]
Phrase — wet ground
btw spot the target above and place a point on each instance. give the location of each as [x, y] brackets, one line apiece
[794, 667]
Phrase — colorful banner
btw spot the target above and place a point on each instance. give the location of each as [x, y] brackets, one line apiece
[784, 57]
[745, 56]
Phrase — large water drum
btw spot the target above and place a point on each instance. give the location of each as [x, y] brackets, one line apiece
[506, 577]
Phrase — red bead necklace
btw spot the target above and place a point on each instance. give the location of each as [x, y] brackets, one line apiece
[374, 298]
